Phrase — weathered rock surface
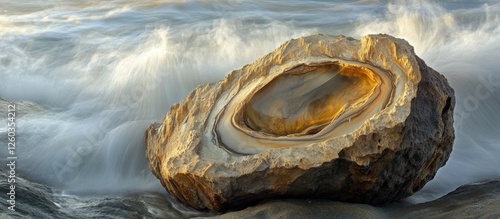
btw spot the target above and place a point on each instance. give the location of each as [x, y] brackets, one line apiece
[479, 200]
[321, 117]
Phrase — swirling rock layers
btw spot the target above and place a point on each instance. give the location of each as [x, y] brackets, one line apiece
[322, 116]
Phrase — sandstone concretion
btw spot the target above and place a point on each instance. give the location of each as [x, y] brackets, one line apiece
[320, 117]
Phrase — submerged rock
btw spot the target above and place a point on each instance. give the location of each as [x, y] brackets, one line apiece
[322, 116]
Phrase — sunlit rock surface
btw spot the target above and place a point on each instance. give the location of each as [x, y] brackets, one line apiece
[322, 117]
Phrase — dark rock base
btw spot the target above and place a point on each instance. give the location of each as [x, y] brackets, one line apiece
[478, 200]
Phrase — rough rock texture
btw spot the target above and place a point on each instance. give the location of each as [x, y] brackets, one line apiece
[213, 150]
[479, 200]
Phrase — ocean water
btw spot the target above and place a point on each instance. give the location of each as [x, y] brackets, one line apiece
[88, 77]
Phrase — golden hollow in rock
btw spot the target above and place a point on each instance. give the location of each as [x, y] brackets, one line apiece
[307, 102]
[304, 102]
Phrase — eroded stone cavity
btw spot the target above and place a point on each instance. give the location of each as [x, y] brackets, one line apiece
[321, 117]
[310, 102]
[301, 103]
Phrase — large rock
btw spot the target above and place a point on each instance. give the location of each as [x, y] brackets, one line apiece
[322, 116]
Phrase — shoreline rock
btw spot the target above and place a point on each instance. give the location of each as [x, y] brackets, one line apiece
[233, 143]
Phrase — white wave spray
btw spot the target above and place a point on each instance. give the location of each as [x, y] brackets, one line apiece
[85, 97]
[88, 78]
